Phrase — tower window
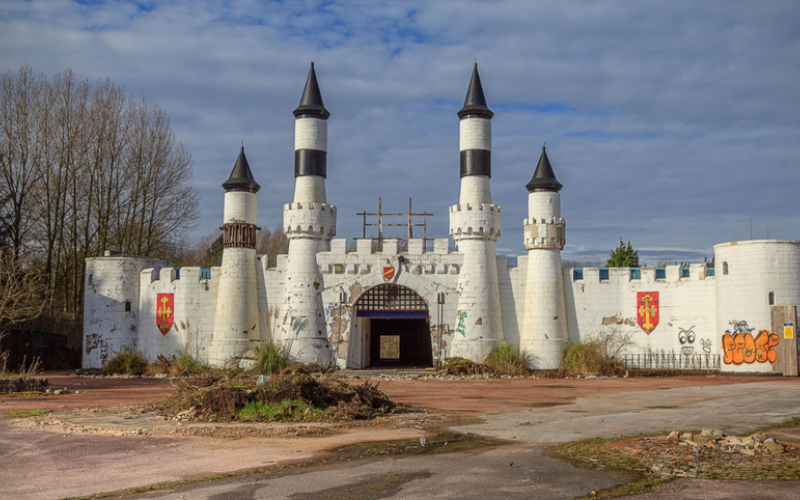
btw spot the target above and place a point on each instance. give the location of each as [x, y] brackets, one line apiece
[127, 306]
[725, 268]
[90, 280]
[772, 298]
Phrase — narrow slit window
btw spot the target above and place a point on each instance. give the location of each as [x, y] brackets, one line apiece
[772, 298]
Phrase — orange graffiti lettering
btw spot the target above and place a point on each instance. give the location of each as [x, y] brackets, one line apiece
[741, 347]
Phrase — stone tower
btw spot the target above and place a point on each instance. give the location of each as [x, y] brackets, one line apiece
[475, 227]
[544, 327]
[236, 319]
[309, 223]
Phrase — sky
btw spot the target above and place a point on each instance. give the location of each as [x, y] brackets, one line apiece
[670, 124]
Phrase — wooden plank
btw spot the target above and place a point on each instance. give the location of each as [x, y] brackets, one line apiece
[787, 362]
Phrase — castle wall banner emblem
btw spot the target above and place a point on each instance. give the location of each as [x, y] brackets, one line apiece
[647, 311]
[388, 273]
[165, 308]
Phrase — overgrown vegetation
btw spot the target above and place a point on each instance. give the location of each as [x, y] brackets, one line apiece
[28, 413]
[508, 360]
[128, 361]
[182, 365]
[598, 356]
[295, 395]
[462, 366]
[271, 358]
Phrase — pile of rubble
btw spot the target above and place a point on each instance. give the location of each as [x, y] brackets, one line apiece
[755, 444]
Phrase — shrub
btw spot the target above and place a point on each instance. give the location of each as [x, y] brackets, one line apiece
[186, 364]
[126, 362]
[271, 358]
[589, 358]
[508, 360]
[463, 366]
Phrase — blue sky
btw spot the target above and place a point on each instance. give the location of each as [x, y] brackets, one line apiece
[669, 123]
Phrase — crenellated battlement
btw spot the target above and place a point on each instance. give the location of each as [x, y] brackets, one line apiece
[644, 275]
[309, 220]
[475, 221]
[544, 234]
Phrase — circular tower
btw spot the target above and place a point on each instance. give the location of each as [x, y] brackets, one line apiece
[544, 328]
[236, 316]
[309, 223]
[475, 227]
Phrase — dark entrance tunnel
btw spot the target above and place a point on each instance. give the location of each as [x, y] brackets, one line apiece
[400, 343]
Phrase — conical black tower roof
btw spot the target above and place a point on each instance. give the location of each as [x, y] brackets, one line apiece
[475, 102]
[311, 101]
[544, 179]
[241, 178]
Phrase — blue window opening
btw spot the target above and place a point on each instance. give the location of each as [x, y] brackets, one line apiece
[684, 272]
[577, 274]
[604, 274]
[176, 273]
[710, 271]
[636, 273]
[661, 273]
[205, 273]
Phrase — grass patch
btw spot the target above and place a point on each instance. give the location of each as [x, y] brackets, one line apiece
[26, 394]
[644, 485]
[508, 360]
[294, 410]
[271, 358]
[28, 413]
[462, 366]
[793, 422]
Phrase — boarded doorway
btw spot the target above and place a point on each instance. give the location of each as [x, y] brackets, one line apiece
[395, 328]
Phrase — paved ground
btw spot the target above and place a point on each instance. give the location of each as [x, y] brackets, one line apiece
[40, 465]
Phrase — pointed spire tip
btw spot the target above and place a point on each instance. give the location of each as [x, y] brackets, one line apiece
[311, 100]
[544, 179]
[475, 102]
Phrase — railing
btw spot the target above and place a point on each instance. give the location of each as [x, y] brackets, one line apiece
[672, 361]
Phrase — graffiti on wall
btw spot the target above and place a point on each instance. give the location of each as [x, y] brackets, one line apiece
[95, 341]
[647, 310]
[740, 346]
[706, 343]
[461, 328]
[686, 337]
[337, 321]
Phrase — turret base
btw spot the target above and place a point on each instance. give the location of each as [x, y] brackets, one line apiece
[474, 350]
[544, 354]
[310, 350]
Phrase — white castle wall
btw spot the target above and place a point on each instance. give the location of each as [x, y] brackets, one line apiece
[598, 308]
[111, 287]
[193, 311]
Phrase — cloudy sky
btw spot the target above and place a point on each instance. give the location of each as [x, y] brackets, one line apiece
[669, 123]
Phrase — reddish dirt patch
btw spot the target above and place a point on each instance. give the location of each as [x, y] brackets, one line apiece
[482, 396]
[94, 393]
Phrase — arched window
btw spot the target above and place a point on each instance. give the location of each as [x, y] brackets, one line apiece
[772, 298]
[725, 268]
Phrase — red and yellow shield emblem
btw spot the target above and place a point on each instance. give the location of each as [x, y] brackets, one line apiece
[388, 273]
[647, 310]
[165, 308]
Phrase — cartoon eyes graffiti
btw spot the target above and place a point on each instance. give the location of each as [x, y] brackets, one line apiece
[686, 336]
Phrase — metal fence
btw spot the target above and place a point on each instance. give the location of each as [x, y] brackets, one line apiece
[672, 361]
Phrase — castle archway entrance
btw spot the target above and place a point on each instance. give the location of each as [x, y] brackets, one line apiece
[392, 329]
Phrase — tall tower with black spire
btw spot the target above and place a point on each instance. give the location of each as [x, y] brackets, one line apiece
[236, 320]
[309, 223]
[544, 328]
[475, 227]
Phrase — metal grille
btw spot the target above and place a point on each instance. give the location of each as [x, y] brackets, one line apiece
[672, 361]
[391, 297]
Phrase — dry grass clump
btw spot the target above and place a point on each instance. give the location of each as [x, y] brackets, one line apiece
[462, 366]
[508, 360]
[589, 358]
[128, 361]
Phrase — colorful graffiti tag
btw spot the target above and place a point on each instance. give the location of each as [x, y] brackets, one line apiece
[461, 320]
[740, 346]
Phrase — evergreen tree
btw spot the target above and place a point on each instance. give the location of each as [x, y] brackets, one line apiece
[623, 256]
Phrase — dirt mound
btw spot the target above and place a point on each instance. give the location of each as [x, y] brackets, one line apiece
[222, 402]
[293, 396]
